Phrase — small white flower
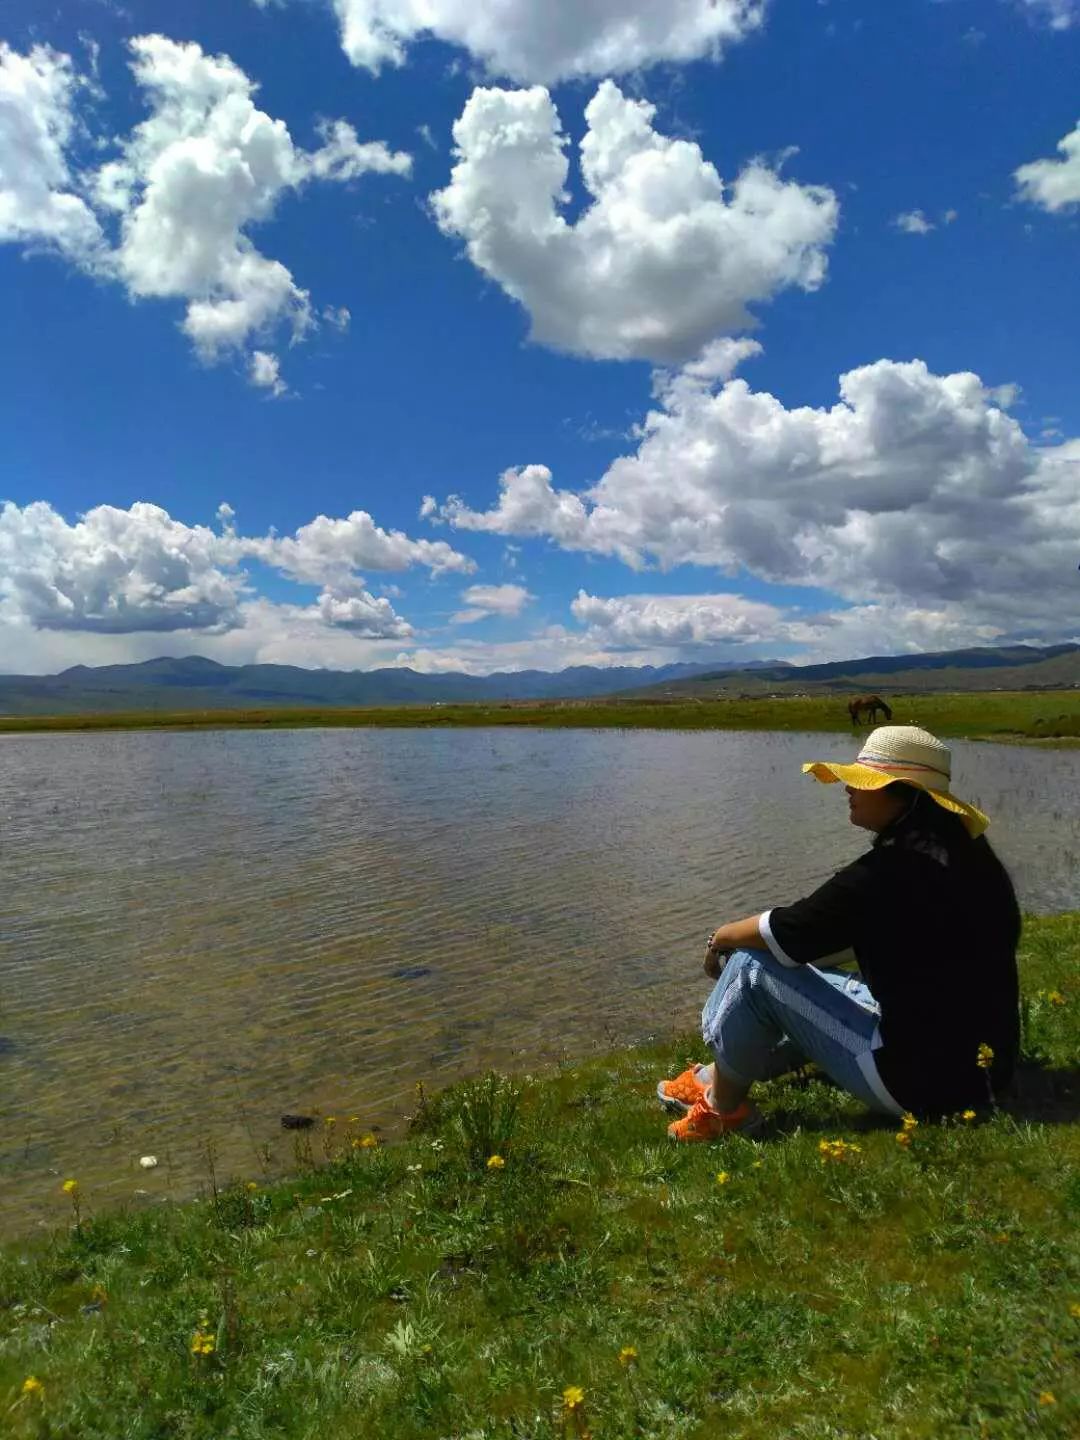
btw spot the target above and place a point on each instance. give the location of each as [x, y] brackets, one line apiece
[148, 1162]
[413, 1168]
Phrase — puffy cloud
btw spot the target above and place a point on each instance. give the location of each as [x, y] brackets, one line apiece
[528, 506]
[123, 572]
[38, 204]
[486, 600]
[721, 358]
[667, 625]
[557, 40]
[914, 222]
[363, 614]
[114, 571]
[665, 257]
[344, 156]
[635, 621]
[265, 373]
[1053, 184]
[202, 167]
[329, 551]
[188, 182]
[915, 488]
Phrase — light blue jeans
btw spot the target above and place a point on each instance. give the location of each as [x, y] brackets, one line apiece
[764, 1019]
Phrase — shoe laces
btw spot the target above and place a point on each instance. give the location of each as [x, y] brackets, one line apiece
[700, 1110]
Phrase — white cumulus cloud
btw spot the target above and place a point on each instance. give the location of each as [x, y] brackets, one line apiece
[556, 40]
[665, 257]
[169, 216]
[205, 165]
[667, 626]
[1053, 184]
[266, 373]
[38, 202]
[330, 550]
[125, 572]
[114, 571]
[360, 612]
[483, 601]
[638, 621]
[914, 222]
[914, 489]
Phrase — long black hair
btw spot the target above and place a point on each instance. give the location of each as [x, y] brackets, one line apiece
[926, 826]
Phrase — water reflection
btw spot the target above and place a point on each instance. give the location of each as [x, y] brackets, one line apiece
[201, 931]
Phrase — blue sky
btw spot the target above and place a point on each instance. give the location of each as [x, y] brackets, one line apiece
[544, 408]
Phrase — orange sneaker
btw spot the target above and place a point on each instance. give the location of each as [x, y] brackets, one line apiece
[705, 1123]
[680, 1094]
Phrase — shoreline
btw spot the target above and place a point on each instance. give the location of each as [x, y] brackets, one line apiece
[1046, 718]
[891, 1289]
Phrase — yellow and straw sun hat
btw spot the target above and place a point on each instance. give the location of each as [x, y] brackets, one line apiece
[902, 752]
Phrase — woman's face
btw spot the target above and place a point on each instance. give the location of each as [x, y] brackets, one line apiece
[874, 809]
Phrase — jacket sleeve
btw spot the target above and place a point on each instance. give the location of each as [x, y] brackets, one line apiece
[828, 920]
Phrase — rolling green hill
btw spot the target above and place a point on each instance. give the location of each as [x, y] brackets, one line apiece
[1017, 667]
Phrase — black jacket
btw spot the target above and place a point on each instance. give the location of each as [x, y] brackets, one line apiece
[932, 917]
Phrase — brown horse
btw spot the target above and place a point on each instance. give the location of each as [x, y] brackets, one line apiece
[868, 706]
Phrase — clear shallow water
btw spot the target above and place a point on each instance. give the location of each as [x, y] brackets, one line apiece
[199, 932]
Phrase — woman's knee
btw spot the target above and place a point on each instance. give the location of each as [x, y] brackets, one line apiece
[733, 989]
[748, 960]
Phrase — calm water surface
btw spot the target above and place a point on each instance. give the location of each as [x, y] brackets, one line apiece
[199, 932]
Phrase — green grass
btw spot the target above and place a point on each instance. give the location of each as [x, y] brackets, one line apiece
[1031, 715]
[409, 1290]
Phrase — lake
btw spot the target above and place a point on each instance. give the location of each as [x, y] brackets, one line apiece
[199, 932]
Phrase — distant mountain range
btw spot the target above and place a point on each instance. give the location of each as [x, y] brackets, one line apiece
[1002, 667]
[195, 683]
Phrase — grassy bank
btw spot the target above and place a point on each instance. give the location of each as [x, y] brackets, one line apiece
[600, 1281]
[1031, 715]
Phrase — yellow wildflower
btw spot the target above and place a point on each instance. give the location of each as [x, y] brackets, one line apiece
[202, 1342]
[251, 1187]
[496, 1162]
[354, 1119]
[69, 1187]
[903, 1138]
[32, 1386]
[722, 1177]
[1074, 1311]
[967, 1116]
[908, 1122]
[757, 1164]
[985, 1057]
[1056, 997]
[368, 1141]
[1001, 1238]
[627, 1356]
[837, 1149]
[1047, 1397]
[330, 1120]
[573, 1397]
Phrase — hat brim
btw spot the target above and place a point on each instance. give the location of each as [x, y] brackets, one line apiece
[862, 777]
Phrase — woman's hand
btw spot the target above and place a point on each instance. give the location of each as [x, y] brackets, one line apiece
[716, 954]
[739, 935]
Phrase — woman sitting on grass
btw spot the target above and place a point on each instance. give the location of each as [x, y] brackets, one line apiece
[932, 1026]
